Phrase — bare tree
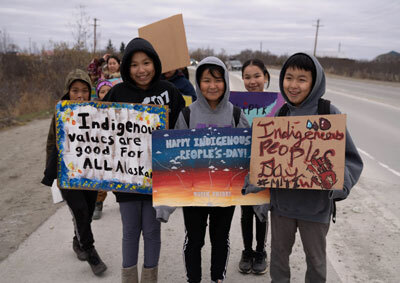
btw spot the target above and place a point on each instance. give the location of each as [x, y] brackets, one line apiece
[6, 43]
[81, 30]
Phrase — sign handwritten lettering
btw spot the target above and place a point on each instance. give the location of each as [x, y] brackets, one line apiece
[301, 152]
[106, 145]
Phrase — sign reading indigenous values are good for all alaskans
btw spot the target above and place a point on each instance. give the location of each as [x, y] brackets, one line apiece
[202, 167]
[257, 104]
[299, 152]
[106, 145]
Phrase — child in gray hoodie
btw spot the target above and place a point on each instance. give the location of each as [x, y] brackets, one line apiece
[211, 109]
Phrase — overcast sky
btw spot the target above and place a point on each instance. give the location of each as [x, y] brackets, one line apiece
[362, 28]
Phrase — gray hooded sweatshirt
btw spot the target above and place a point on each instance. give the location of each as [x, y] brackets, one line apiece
[315, 205]
[201, 114]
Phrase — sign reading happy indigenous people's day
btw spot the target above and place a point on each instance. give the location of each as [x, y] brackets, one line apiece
[106, 145]
[299, 152]
[202, 167]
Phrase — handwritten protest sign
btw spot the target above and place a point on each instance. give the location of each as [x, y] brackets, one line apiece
[300, 152]
[257, 104]
[106, 145]
[202, 167]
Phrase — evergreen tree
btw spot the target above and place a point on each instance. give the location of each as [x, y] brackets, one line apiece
[122, 48]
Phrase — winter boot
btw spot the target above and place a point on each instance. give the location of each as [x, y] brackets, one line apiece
[149, 275]
[81, 254]
[98, 210]
[129, 275]
[246, 261]
[260, 262]
[95, 262]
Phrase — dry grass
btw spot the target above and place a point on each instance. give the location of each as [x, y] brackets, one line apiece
[31, 84]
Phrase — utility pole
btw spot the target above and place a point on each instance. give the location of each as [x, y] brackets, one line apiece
[94, 35]
[260, 46]
[316, 37]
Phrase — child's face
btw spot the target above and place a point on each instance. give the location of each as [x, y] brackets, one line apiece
[103, 91]
[79, 91]
[212, 88]
[142, 69]
[297, 85]
[254, 78]
[112, 65]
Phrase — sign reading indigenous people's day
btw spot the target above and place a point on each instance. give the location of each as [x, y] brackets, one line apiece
[106, 145]
[168, 38]
[299, 152]
[202, 167]
[257, 104]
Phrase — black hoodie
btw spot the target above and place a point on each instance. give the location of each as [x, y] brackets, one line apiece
[159, 92]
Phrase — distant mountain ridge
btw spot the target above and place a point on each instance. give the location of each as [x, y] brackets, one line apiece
[391, 56]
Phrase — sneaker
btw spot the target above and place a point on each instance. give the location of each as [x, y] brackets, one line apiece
[98, 209]
[95, 262]
[260, 262]
[81, 254]
[246, 261]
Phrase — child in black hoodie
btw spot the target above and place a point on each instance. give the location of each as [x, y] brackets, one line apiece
[141, 72]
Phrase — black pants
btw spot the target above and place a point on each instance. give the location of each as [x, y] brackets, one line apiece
[81, 204]
[196, 223]
[247, 229]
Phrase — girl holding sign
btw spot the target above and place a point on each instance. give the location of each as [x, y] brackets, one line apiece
[141, 73]
[255, 77]
[212, 108]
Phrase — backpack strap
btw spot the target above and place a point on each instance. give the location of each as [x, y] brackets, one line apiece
[284, 110]
[186, 115]
[324, 106]
[236, 114]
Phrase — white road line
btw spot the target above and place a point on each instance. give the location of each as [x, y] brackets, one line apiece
[363, 99]
[380, 163]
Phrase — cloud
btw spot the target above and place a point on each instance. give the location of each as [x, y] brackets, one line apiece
[364, 28]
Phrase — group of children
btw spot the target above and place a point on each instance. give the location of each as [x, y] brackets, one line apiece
[302, 84]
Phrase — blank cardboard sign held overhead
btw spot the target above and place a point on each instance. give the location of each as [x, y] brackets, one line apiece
[169, 39]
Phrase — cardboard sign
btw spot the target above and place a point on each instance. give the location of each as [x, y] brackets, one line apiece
[257, 104]
[202, 167]
[299, 152]
[106, 146]
[168, 37]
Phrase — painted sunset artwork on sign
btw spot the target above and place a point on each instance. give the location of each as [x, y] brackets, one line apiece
[202, 167]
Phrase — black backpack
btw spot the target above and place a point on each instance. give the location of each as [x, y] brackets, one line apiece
[236, 115]
[324, 108]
